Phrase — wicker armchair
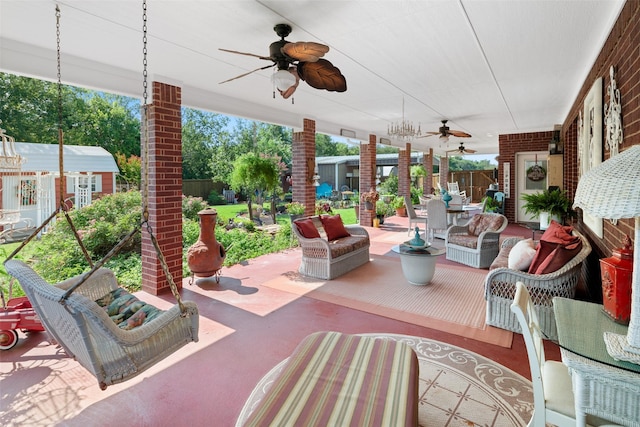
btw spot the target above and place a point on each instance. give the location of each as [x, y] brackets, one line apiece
[327, 260]
[500, 288]
[477, 243]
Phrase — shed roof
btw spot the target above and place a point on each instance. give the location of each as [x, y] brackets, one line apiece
[76, 158]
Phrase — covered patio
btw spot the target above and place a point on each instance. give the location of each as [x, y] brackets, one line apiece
[246, 328]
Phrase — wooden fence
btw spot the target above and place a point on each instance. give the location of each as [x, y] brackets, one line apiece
[475, 183]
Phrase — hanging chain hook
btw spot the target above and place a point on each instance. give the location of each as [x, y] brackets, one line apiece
[145, 110]
[60, 133]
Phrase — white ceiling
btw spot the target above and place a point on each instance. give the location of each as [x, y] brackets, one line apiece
[490, 67]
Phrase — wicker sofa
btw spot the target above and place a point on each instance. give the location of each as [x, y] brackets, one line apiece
[500, 286]
[328, 259]
[477, 243]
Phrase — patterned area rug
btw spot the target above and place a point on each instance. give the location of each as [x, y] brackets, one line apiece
[457, 388]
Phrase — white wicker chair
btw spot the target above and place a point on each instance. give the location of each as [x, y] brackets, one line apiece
[553, 398]
[500, 288]
[478, 251]
[87, 334]
[414, 218]
[324, 260]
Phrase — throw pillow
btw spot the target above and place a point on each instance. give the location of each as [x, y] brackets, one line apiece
[522, 254]
[307, 228]
[333, 226]
[557, 247]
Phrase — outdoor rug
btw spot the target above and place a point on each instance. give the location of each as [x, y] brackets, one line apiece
[452, 302]
[457, 388]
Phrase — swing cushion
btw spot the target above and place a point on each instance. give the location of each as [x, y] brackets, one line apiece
[126, 310]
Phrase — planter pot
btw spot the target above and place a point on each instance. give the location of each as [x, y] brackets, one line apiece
[376, 222]
[545, 220]
[205, 257]
[401, 211]
[357, 208]
[380, 219]
[368, 206]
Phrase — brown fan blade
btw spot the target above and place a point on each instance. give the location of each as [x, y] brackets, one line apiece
[458, 133]
[246, 74]
[469, 151]
[322, 75]
[245, 53]
[305, 51]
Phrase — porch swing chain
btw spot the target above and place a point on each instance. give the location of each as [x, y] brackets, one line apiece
[145, 195]
[145, 149]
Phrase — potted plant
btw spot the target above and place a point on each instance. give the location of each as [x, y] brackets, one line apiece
[398, 204]
[369, 198]
[547, 204]
[490, 204]
[383, 210]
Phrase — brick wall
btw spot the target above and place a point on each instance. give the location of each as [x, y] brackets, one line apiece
[164, 188]
[621, 51]
[511, 144]
[304, 155]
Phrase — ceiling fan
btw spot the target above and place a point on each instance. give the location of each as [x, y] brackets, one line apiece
[295, 61]
[461, 150]
[445, 132]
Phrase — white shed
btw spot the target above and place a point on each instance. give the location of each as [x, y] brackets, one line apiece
[88, 171]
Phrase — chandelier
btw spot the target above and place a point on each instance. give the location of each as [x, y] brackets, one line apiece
[403, 130]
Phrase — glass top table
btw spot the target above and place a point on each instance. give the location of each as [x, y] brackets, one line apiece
[602, 386]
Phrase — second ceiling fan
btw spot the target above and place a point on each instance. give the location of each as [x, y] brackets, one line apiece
[444, 132]
[461, 150]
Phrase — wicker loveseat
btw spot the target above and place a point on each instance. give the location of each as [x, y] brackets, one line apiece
[477, 243]
[325, 258]
[500, 287]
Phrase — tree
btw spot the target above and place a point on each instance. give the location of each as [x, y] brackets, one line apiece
[206, 145]
[29, 112]
[254, 173]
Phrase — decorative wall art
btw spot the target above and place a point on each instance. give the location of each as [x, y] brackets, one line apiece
[613, 116]
[591, 153]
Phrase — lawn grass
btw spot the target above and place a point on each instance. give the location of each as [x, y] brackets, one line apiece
[226, 212]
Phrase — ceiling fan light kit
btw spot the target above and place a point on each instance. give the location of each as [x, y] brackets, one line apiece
[283, 80]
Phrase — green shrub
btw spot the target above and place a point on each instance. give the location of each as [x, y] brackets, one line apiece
[191, 206]
[216, 199]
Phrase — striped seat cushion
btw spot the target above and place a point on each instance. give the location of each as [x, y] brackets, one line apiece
[334, 379]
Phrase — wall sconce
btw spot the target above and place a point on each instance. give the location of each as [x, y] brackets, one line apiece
[312, 172]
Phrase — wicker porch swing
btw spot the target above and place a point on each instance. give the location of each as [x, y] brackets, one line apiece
[108, 331]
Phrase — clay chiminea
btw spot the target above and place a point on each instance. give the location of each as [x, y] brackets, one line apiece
[205, 256]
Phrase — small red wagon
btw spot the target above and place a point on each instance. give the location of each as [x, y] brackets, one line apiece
[18, 314]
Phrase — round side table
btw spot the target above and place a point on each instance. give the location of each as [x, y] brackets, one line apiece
[418, 265]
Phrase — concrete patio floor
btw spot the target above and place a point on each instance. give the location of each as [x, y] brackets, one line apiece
[245, 330]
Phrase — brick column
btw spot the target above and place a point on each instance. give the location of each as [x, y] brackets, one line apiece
[304, 160]
[164, 188]
[427, 162]
[404, 172]
[367, 177]
[444, 172]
